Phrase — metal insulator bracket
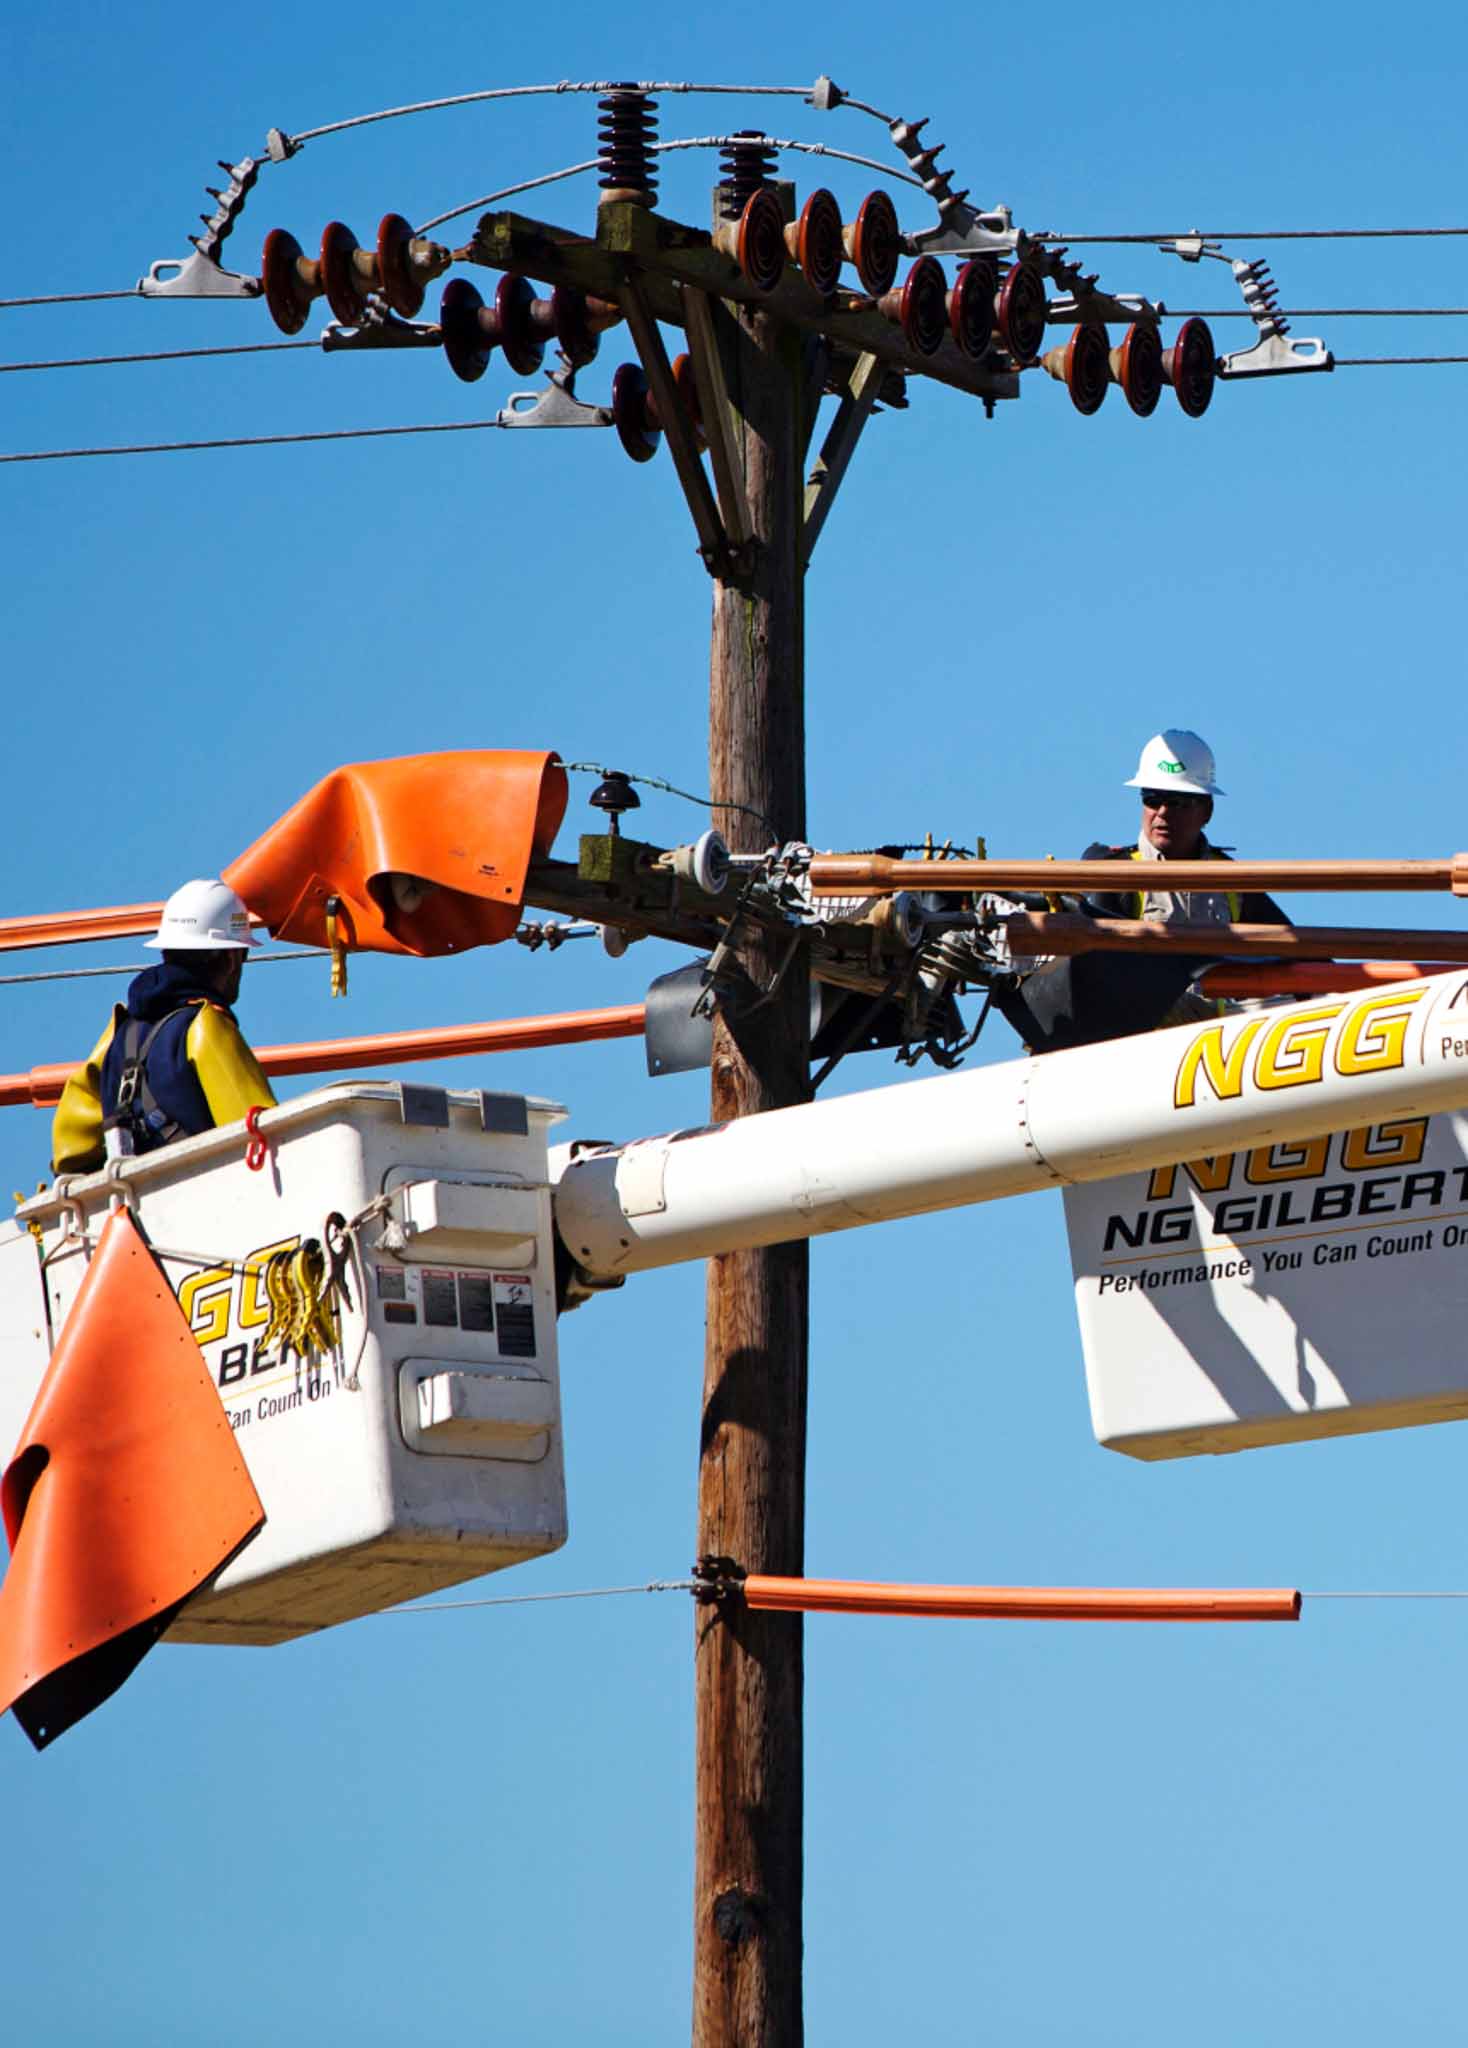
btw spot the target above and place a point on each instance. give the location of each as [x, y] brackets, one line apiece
[965, 231]
[201, 276]
[380, 329]
[557, 407]
[1124, 307]
[1277, 355]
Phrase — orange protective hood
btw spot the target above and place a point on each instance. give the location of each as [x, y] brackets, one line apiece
[466, 823]
[126, 1492]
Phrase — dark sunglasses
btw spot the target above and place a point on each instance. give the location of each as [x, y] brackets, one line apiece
[1174, 799]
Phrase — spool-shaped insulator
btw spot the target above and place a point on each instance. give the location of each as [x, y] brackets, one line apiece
[468, 329]
[1137, 367]
[626, 130]
[1083, 366]
[1019, 312]
[578, 322]
[407, 265]
[919, 305]
[873, 241]
[815, 242]
[348, 273]
[290, 280]
[756, 240]
[971, 307]
[747, 161]
[1190, 367]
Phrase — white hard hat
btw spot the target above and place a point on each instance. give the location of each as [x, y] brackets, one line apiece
[203, 917]
[1176, 759]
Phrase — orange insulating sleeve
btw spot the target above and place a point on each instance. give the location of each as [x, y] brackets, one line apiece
[1040, 932]
[848, 874]
[1022, 1603]
[126, 1492]
[42, 1086]
[69, 927]
[1312, 977]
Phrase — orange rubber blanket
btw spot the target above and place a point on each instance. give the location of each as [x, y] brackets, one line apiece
[126, 1492]
[466, 824]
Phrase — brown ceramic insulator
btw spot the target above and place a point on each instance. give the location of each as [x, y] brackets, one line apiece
[1019, 312]
[1190, 367]
[873, 241]
[626, 129]
[686, 385]
[348, 273]
[578, 323]
[815, 242]
[632, 413]
[289, 279]
[407, 264]
[1137, 366]
[759, 240]
[1083, 366]
[971, 307]
[514, 305]
[468, 330]
[919, 305]
[748, 160]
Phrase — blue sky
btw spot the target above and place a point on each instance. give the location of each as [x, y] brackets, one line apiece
[478, 1826]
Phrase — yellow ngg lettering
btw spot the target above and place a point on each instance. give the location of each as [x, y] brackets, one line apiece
[1292, 1052]
[204, 1299]
[1209, 1176]
[1373, 1035]
[1223, 1071]
[1285, 1161]
[1399, 1143]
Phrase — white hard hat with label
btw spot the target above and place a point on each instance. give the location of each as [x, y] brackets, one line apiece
[203, 917]
[1179, 760]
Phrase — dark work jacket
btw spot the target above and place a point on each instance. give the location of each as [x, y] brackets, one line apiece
[171, 1076]
[1084, 998]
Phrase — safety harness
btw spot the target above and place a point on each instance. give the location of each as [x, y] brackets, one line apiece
[1231, 895]
[138, 1110]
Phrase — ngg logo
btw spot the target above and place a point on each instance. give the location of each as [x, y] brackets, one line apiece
[1289, 1052]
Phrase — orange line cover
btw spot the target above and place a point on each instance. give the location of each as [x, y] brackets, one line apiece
[126, 1492]
[1022, 1603]
[465, 824]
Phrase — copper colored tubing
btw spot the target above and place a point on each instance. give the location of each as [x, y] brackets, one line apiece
[62, 927]
[43, 1085]
[849, 874]
[1311, 977]
[1039, 932]
[1022, 1603]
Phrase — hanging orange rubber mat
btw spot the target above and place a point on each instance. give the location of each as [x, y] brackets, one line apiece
[426, 854]
[125, 1493]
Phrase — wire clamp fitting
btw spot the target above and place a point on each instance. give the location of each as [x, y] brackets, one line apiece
[717, 1579]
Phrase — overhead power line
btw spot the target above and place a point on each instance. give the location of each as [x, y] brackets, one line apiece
[251, 441]
[1262, 235]
[72, 298]
[159, 355]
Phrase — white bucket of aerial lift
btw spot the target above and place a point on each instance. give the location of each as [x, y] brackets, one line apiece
[1308, 1289]
[426, 1449]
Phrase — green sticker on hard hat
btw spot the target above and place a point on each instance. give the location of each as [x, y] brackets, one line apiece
[1171, 767]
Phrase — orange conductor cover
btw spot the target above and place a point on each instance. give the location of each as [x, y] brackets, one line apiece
[125, 1493]
[1024, 1603]
[427, 854]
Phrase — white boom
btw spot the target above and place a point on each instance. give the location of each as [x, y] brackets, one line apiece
[1183, 1094]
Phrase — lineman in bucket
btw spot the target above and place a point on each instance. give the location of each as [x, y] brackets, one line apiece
[172, 1060]
[1092, 996]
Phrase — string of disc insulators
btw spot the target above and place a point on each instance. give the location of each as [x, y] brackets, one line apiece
[995, 307]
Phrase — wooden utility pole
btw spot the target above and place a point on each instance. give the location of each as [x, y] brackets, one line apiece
[751, 1496]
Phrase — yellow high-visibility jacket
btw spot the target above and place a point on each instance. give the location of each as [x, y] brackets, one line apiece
[228, 1076]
